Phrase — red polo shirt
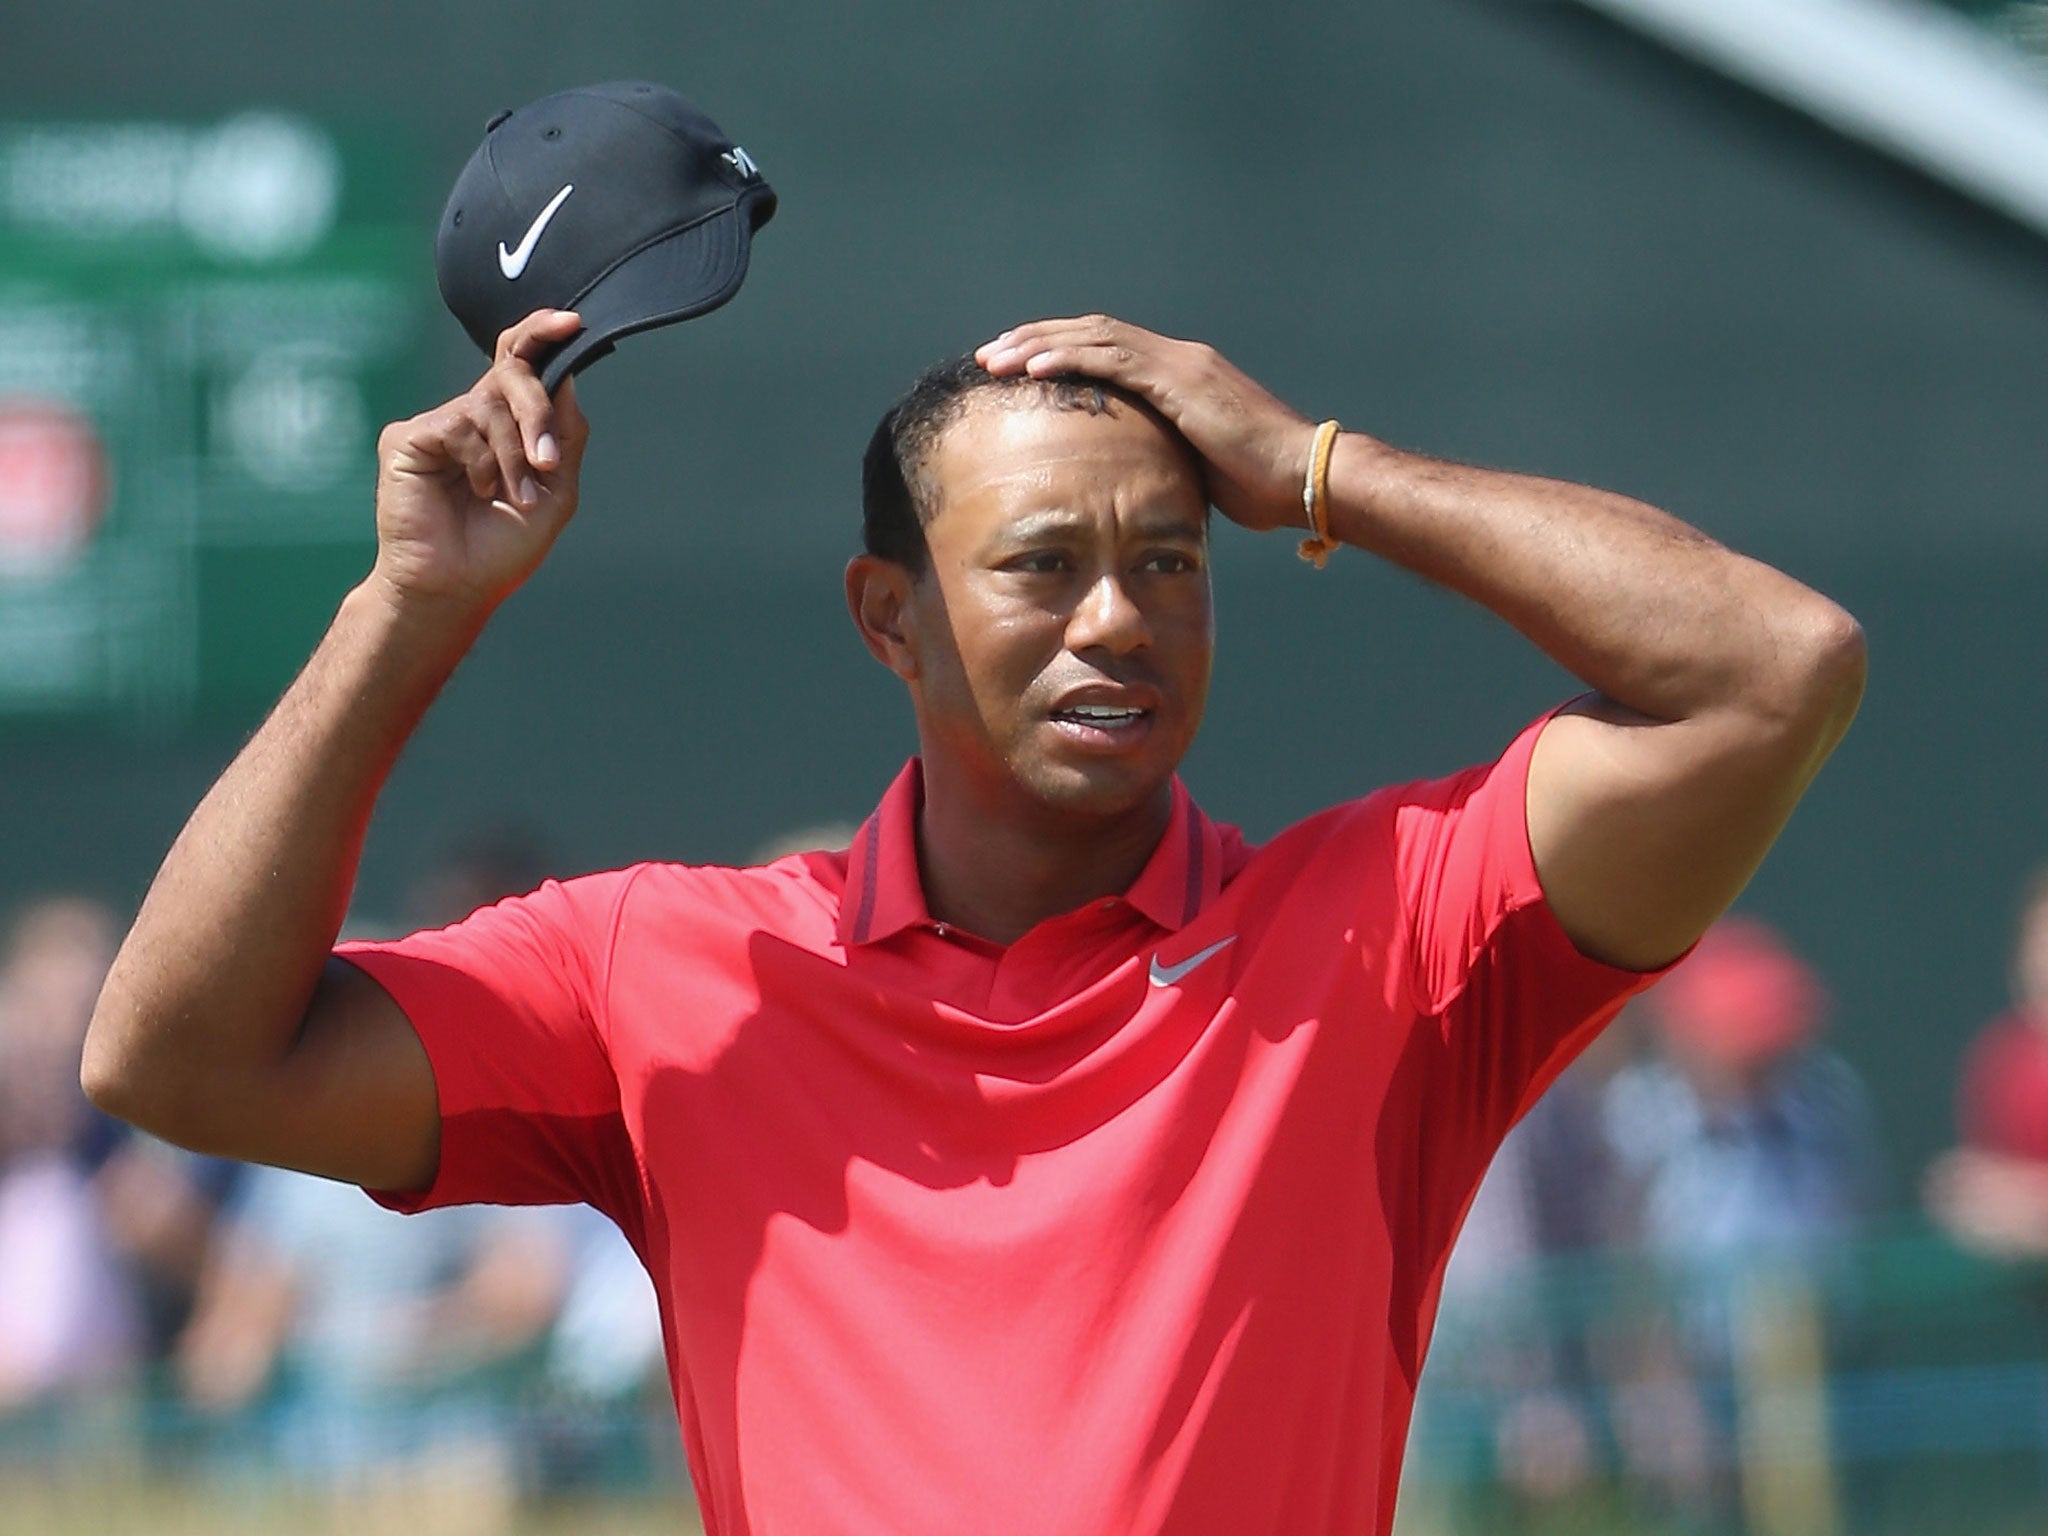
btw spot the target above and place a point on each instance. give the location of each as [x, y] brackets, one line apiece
[1135, 1225]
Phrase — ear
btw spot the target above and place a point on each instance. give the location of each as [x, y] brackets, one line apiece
[877, 595]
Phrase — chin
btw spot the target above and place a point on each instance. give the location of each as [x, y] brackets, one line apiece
[1097, 790]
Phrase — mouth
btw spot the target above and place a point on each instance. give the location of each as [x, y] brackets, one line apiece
[1104, 724]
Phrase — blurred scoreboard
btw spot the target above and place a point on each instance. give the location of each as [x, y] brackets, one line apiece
[202, 329]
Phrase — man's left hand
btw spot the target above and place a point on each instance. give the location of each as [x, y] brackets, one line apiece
[1254, 447]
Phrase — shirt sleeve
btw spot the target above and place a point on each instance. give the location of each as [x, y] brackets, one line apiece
[1506, 996]
[510, 1005]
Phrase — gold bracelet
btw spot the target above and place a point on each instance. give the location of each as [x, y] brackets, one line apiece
[1315, 498]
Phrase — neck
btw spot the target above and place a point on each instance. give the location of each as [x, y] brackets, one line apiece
[997, 870]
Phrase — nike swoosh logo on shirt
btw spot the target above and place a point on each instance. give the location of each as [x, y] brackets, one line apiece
[513, 262]
[1167, 975]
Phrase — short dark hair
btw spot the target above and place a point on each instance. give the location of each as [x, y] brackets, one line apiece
[896, 500]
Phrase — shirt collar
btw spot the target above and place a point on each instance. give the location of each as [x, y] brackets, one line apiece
[884, 896]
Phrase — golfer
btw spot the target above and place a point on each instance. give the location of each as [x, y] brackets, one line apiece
[1052, 1160]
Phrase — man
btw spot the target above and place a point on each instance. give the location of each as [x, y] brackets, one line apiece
[1990, 1191]
[1050, 1160]
[70, 1313]
[1747, 1141]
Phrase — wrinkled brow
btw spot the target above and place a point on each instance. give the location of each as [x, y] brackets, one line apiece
[1147, 523]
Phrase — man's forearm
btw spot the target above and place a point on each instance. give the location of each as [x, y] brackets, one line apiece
[1744, 679]
[212, 982]
[1638, 605]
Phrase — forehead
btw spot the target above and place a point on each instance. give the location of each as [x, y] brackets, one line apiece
[1015, 452]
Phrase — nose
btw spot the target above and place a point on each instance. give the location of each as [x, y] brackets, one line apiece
[1107, 618]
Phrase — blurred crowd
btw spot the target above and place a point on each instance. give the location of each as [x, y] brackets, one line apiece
[1712, 1140]
[485, 1353]
[1712, 1134]
[1654, 1280]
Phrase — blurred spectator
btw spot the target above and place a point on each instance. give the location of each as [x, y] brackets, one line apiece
[606, 1418]
[376, 1334]
[1743, 1137]
[53, 959]
[1551, 1193]
[159, 1204]
[1991, 1191]
[1707, 1131]
[1751, 1155]
[1556, 1187]
[606, 1345]
[68, 1316]
[122, 1216]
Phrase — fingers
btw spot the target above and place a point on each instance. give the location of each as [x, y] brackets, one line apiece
[539, 331]
[571, 428]
[1096, 345]
[510, 452]
[505, 435]
[513, 376]
[1113, 364]
[531, 414]
[1251, 443]
[456, 438]
[477, 438]
[481, 438]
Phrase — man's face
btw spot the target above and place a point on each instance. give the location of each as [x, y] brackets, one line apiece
[1063, 628]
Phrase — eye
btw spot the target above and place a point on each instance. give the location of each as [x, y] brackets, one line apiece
[1170, 562]
[1041, 562]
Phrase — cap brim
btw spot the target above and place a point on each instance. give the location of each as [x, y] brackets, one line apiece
[679, 277]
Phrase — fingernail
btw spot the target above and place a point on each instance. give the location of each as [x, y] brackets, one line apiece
[545, 450]
[529, 492]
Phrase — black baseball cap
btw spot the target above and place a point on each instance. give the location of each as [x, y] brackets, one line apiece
[622, 202]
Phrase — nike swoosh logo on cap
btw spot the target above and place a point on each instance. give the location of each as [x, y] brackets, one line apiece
[1167, 975]
[513, 262]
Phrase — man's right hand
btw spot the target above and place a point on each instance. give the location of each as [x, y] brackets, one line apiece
[471, 495]
[224, 1026]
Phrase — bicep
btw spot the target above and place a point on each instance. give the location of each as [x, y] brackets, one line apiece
[1643, 832]
[354, 1099]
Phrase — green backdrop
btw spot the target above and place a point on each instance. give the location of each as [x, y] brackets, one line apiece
[1470, 228]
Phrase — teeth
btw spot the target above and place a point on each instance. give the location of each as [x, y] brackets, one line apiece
[1102, 712]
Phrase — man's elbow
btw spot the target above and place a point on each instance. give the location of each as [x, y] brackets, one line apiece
[1823, 664]
[106, 1071]
[1838, 668]
[119, 1079]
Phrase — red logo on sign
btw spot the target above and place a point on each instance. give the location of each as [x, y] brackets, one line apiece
[53, 485]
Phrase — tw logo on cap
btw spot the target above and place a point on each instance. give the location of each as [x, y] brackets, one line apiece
[741, 161]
